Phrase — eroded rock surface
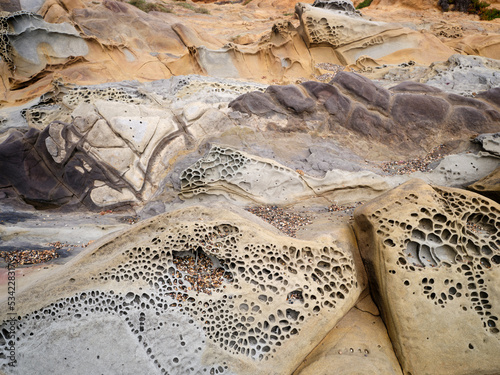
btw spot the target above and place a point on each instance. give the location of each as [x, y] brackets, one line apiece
[28, 43]
[352, 37]
[408, 117]
[197, 290]
[105, 146]
[358, 344]
[433, 259]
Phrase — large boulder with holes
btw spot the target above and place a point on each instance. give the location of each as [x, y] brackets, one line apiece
[433, 259]
[201, 290]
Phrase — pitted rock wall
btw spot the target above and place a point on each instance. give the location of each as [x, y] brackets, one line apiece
[433, 259]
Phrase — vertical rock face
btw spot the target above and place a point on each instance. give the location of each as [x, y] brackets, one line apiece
[433, 259]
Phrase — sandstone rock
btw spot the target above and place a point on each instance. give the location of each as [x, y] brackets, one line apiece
[358, 344]
[363, 89]
[433, 258]
[464, 75]
[139, 286]
[490, 142]
[488, 186]
[460, 170]
[408, 118]
[353, 37]
[340, 6]
[248, 178]
[24, 37]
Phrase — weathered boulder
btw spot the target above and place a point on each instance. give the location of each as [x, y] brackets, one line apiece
[28, 43]
[358, 344]
[433, 259]
[488, 186]
[200, 290]
[352, 37]
[465, 75]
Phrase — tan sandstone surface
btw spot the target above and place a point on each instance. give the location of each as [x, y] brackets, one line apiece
[257, 187]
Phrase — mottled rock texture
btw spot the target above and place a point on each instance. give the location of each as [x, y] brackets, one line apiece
[409, 117]
[433, 259]
[137, 295]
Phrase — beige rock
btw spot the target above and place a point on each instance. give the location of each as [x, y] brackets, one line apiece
[357, 345]
[353, 37]
[194, 111]
[102, 136]
[120, 159]
[488, 185]
[249, 178]
[105, 196]
[137, 131]
[135, 176]
[482, 45]
[432, 255]
[269, 293]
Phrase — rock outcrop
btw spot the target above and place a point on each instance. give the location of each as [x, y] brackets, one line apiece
[408, 118]
[112, 144]
[352, 37]
[433, 259]
[113, 148]
[249, 178]
[197, 290]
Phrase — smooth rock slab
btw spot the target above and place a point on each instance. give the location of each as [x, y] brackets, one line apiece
[433, 260]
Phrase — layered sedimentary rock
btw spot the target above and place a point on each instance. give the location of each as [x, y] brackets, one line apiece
[114, 147]
[237, 175]
[114, 144]
[197, 290]
[410, 117]
[28, 43]
[351, 37]
[433, 259]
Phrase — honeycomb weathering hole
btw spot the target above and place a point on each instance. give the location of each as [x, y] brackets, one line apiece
[203, 271]
[457, 236]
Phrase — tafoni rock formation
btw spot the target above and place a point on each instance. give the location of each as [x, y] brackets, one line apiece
[249, 187]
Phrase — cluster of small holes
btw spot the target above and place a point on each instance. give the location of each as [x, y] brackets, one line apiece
[461, 235]
[130, 307]
[234, 322]
[59, 107]
[320, 31]
[339, 6]
[89, 95]
[186, 87]
[289, 285]
[219, 164]
[226, 164]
